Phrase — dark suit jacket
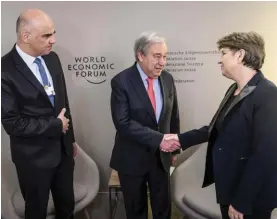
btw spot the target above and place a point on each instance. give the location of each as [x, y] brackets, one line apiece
[138, 135]
[242, 155]
[28, 116]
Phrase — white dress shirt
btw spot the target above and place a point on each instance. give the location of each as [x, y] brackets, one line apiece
[29, 60]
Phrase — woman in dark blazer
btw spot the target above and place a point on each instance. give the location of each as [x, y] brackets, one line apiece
[242, 136]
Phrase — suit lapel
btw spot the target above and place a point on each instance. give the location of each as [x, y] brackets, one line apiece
[248, 89]
[164, 94]
[139, 88]
[22, 67]
[244, 93]
[222, 104]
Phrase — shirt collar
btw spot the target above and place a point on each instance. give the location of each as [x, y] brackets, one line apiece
[141, 72]
[29, 60]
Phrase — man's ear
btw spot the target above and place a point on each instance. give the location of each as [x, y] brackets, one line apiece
[25, 36]
[140, 56]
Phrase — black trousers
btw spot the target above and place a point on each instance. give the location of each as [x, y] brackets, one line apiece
[36, 183]
[134, 189]
[257, 213]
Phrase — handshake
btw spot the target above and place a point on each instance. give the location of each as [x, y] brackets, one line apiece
[170, 143]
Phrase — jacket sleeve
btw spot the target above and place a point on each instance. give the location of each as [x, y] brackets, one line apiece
[197, 136]
[194, 137]
[16, 124]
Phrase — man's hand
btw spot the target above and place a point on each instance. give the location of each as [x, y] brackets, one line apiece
[64, 120]
[75, 147]
[234, 214]
[169, 144]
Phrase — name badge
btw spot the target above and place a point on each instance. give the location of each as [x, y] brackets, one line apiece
[49, 90]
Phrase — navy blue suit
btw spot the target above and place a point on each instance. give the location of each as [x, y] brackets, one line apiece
[136, 154]
[242, 149]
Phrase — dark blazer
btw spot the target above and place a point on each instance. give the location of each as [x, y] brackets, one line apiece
[28, 116]
[138, 135]
[242, 155]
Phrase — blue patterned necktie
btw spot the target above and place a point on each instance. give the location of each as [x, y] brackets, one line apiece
[44, 78]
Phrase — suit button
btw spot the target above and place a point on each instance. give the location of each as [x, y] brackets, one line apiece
[158, 128]
[220, 149]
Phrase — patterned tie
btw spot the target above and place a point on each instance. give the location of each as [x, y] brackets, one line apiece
[151, 93]
[44, 77]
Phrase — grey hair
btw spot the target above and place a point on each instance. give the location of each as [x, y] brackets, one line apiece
[144, 40]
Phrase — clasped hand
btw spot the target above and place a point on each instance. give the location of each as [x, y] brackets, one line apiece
[170, 143]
